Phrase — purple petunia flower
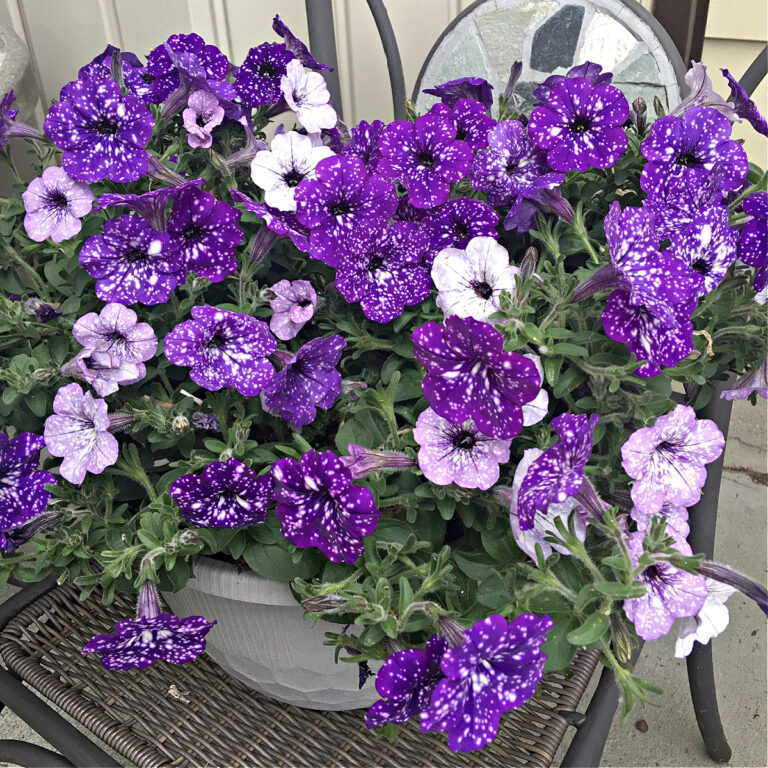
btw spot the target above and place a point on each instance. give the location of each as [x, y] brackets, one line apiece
[525, 209]
[279, 170]
[206, 232]
[580, 126]
[132, 262]
[318, 506]
[22, 486]
[202, 115]
[78, 431]
[744, 106]
[425, 157]
[455, 223]
[224, 350]
[308, 381]
[708, 246]
[296, 47]
[464, 88]
[228, 495]
[470, 281]
[753, 241]
[511, 167]
[589, 71]
[43, 312]
[55, 204]
[281, 223]
[471, 120]
[152, 637]
[458, 453]
[667, 461]
[342, 196]
[257, 80]
[672, 593]
[649, 338]
[306, 93]
[405, 683]
[293, 306]
[543, 525]
[365, 143]
[131, 68]
[702, 94]
[470, 376]
[381, 268]
[496, 670]
[102, 131]
[658, 281]
[559, 472]
[9, 128]
[690, 145]
[752, 381]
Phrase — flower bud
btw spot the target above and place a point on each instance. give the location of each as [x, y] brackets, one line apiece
[180, 424]
[188, 538]
[43, 312]
[514, 76]
[528, 264]
[658, 107]
[639, 112]
[622, 640]
[363, 461]
[42, 374]
[323, 603]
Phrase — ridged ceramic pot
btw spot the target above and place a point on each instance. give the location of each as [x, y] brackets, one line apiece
[263, 639]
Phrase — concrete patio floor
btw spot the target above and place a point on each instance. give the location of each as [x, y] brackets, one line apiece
[667, 735]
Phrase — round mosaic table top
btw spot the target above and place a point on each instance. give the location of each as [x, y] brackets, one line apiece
[550, 37]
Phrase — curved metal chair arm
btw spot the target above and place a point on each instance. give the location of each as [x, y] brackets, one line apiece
[755, 73]
[30, 755]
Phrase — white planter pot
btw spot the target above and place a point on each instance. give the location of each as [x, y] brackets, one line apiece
[263, 639]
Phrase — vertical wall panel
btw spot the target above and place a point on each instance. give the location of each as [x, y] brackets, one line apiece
[147, 23]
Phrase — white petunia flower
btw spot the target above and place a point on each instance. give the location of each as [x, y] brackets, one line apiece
[306, 93]
[470, 281]
[709, 622]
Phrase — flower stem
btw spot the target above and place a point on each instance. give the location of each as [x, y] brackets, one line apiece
[40, 288]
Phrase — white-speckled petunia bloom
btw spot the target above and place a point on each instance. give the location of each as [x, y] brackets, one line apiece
[470, 281]
[711, 620]
[306, 93]
[78, 431]
[667, 461]
[201, 116]
[293, 307]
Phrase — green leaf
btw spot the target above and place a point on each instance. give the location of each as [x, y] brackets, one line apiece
[591, 630]
[37, 402]
[559, 650]
[274, 562]
[616, 589]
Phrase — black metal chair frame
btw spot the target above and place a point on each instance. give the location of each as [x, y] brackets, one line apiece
[587, 745]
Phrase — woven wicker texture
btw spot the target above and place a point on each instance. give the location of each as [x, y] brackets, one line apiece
[197, 715]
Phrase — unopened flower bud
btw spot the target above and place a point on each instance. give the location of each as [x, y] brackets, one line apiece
[514, 76]
[188, 538]
[119, 421]
[658, 107]
[323, 603]
[116, 67]
[180, 424]
[43, 312]
[362, 461]
[349, 387]
[528, 264]
[639, 111]
[745, 585]
[199, 283]
[42, 374]
[622, 640]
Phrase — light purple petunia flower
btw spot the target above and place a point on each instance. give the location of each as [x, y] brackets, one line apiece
[149, 205]
[296, 46]
[425, 157]
[753, 241]
[22, 486]
[381, 268]
[405, 683]
[206, 232]
[589, 71]
[470, 281]
[257, 80]
[293, 306]
[455, 223]
[543, 525]
[752, 381]
[102, 131]
[132, 262]
[672, 593]
[201, 116]
[78, 431]
[675, 516]
[471, 120]
[511, 167]
[281, 223]
[558, 473]
[702, 94]
[308, 381]
[690, 145]
[580, 126]
[227, 495]
[464, 88]
[365, 143]
[649, 338]
[708, 246]
[105, 374]
[342, 196]
[153, 636]
[667, 461]
[496, 670]
[744, 106]
[306, 93]
[470, 376]
[279, 170]
[318, 506]
[458, 453]
[55, 204]
[224, 350]
[9, 128]
[711, 620]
